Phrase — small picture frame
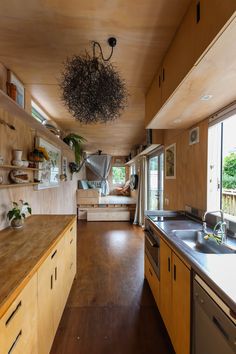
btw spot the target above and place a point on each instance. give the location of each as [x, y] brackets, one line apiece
[64, 167]
[15, 89]
[170, 162]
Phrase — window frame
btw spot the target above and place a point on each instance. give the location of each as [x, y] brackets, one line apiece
[118, 184]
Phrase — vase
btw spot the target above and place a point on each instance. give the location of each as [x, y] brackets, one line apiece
[17, 157]
[17, 223]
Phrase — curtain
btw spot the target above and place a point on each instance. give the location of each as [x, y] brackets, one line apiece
[142, 190]
[101, 166]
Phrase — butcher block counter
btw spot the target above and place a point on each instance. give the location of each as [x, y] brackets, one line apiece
[37, 262]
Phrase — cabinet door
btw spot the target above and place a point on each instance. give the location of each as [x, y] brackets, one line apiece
[180, 306]
[45, 306]
[165, 284]
[59, 280]
[180, 57]
[210, 17]
[18, 326]
[152, 280]
[153, 98]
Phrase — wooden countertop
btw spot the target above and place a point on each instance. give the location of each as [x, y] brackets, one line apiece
[23, 250]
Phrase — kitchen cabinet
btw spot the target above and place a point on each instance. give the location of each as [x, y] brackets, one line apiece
[165, 284]
[198, 29]
[18, 326]
[50, 296]
[175, 298]
[181, 281]
[153, 98]
[71, 261]
[152, 279]
[180, 56]
[55, 278]
[211, 16]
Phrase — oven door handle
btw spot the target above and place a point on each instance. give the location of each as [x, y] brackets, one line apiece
[151, 241]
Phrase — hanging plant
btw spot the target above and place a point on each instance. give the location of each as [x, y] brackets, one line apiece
[92, 88]
[75, 141]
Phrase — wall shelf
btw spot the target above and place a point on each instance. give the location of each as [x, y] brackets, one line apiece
[14, 185]
[13, 108]
[145, 152]
[12, 167]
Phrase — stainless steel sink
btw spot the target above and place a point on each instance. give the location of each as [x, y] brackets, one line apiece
[195, 240]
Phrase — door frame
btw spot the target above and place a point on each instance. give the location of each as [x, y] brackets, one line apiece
[157, 152]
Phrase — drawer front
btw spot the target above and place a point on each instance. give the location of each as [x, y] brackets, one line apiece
[18, 326]
[152, 280]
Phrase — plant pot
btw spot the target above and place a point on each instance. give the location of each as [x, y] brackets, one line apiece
[17, 223]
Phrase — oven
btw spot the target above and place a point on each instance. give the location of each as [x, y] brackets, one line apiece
[152, 246]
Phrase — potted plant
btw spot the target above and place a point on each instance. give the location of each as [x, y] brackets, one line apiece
[18, 213]
[75, 142]
[39, 154]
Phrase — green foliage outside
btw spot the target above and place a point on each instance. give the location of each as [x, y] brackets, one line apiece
[229, 171]
[118, 175]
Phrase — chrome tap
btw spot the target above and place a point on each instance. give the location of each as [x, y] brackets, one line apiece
[220, 229]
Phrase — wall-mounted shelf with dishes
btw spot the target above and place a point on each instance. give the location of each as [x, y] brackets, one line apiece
[12, 167]
[13, 185]
[8, 104]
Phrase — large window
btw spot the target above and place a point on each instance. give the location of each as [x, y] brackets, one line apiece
[118, 175]
[222, 165]
[38, 113]
[155, 181]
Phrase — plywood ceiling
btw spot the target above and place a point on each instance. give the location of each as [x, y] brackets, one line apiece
[37, 35]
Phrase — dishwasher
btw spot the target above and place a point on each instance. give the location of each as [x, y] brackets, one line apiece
[214, 327]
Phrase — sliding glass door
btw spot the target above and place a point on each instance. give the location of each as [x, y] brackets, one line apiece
[155, 180]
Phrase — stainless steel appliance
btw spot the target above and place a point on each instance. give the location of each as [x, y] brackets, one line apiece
[214, 327]
[152, 247]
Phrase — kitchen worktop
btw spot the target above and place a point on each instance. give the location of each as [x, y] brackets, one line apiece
[218, 270]
[23, 250]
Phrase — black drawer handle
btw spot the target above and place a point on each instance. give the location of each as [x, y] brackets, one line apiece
[168, 264]
[163, 74]
[71, 265]
[71, 241]
[174, 272]
[51, 285]
[159, 80]
[56, 274]
[219, 326]
[15, 342]
[53, 255]
[13, 314]
[198, 12]
[71, 228]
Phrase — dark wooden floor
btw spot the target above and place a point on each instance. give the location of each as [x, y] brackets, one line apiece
[110, 309]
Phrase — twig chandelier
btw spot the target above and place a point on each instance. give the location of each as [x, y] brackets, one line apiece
[92, 89]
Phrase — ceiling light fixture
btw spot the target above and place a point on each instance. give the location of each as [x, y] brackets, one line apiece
[92, 88]
[206, 97]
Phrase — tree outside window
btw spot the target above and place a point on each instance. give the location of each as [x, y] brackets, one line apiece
[118, 175]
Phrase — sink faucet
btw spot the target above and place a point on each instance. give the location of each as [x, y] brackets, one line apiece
[220, 228]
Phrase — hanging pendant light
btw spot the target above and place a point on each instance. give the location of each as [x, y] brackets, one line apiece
[92, 89]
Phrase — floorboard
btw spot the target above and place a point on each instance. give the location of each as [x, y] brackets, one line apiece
[110, 309]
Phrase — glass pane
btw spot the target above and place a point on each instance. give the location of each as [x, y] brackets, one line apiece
[118, 175]
[229, 167]
[153, 183]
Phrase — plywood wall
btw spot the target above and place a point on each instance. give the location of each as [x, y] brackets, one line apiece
[190, 185]
[60, 200]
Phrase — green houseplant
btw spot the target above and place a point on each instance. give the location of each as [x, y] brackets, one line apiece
[75, 142]
[18, 213]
